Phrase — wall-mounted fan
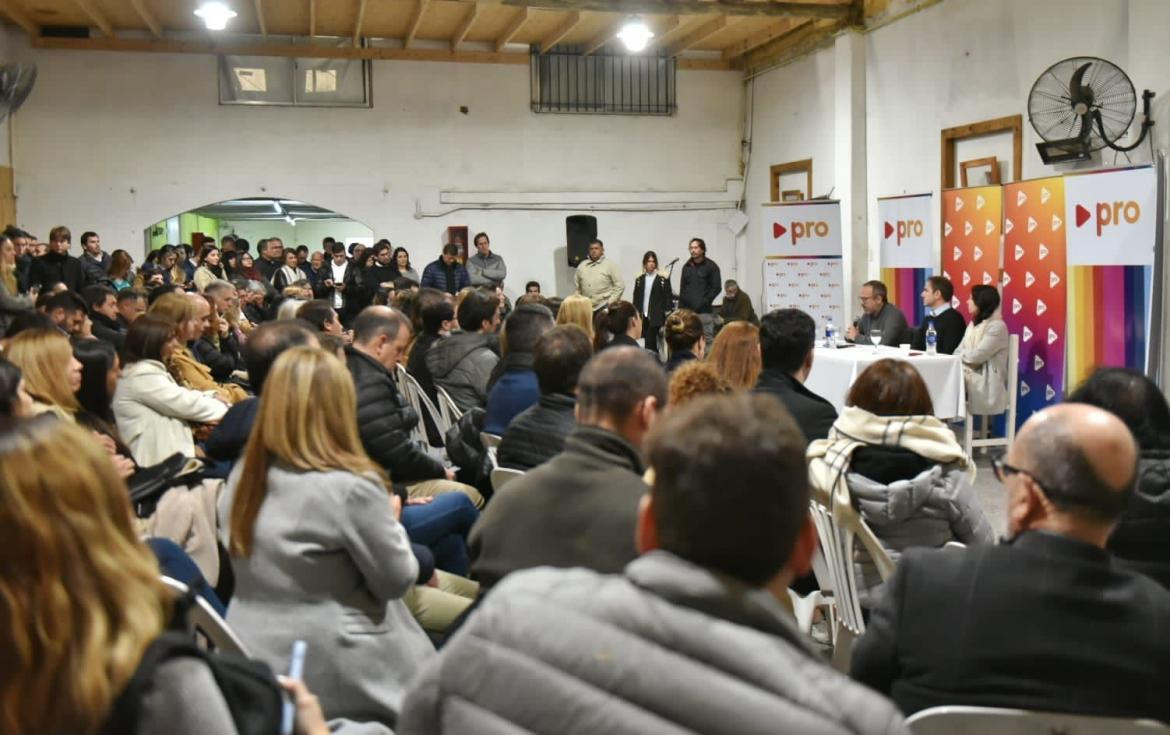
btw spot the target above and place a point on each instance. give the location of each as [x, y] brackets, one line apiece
[16, 82]
[1084, 104]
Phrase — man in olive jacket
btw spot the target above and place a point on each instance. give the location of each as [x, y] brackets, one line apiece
[692, 636]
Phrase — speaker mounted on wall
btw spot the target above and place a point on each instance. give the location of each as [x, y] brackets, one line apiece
[580, 230]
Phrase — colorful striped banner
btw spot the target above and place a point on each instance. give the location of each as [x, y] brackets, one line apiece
[1108, 315]
[905, 290]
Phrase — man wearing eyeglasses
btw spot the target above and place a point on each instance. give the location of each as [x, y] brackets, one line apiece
[1046, 620]
[878, 314]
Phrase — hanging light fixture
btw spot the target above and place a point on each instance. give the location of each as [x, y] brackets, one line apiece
[635, 35]
[215, 15]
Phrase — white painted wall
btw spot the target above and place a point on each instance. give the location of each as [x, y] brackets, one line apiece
[115, 142]
[955, 62]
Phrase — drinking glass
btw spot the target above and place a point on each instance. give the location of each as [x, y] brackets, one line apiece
[875, 336]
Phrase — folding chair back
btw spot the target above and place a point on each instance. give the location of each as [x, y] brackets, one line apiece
[491, 442]
[501, 476]
[978, 720]
[206, 621]
[447, 408]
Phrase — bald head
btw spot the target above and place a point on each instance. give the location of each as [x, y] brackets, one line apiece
[1084, 459]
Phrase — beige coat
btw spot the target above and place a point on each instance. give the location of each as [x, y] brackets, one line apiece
[984, 352]
[600, 281]
[154, 412]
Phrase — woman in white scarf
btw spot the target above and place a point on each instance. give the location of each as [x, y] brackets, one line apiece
[888, 460]
[984, 353]
[289, 273]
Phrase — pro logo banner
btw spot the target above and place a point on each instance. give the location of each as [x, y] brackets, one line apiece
[1112, 217]
[905, 231]
[802, 260]
[972, 227]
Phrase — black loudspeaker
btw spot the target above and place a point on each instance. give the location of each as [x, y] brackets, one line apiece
[580, 230]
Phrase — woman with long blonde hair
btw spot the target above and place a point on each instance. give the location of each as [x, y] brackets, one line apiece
[52, 375]
[317, 548]
[735, 353]
[577, 310]
[11, 302]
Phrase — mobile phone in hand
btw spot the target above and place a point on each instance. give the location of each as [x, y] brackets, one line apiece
[296, 669]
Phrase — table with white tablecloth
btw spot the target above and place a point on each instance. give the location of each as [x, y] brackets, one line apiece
[834, 370]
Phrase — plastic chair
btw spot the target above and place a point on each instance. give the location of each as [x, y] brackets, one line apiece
[978, 720]
[491, 443]
[450, 412]
[501, 476]
[207, 622]
[969, 442]
[836, 546]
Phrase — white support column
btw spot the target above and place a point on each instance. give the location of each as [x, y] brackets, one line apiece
[850, 161]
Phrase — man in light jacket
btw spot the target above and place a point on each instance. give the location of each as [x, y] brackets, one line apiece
[598, 278]
[485, 267]
[692, 635]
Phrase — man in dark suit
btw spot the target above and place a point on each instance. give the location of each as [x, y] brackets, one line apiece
[1045, 621]
[57, 265]
[949, 324]
[652, 302]
[787, 337]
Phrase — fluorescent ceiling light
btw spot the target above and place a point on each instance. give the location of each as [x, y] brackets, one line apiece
[215, 15]
[635, 35]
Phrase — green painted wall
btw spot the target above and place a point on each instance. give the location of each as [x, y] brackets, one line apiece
[188, 223]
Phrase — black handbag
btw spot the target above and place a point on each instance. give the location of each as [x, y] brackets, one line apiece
[148, 484]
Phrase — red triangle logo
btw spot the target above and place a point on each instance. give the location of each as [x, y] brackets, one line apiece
[889, 230]
[778, 230]
[1083, 215]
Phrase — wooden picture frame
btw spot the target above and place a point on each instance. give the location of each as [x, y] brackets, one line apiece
[1013, 124]
[792, 167]
[792, 195]
[991, 163]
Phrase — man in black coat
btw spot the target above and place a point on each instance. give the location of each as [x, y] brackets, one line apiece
[698, 286]
[538, 433]
[579, 508]
[949, 324]
[335, 282]
[652, 305]
[57, 265]
[103, 312]
[787, 337]
[1045, 621]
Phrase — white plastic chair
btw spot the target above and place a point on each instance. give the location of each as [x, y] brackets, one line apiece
[836, 545]
[969, 442]
[491, 443]
[206, 621]
[411, 393]
[979, 720]
[501, 476]
[422, 403]
[450, 412]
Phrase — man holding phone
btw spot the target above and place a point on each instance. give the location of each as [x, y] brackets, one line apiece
[334, 280]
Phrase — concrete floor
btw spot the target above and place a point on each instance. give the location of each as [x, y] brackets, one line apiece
[992, 496]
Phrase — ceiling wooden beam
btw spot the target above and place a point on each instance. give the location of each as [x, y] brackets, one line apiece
[791, 45]
[695, 7]
[415, 20]
[664, 29]
[771, 33]
[700, 30]
[147, 17]
[259, 7]
[357, 25]
[606, 35]
[465, 26]
[172, 46]
[18, 16]
[563, 29]
[513, 28]
[312, 18]
[96, 17]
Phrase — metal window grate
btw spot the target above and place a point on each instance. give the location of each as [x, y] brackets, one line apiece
[564, 81]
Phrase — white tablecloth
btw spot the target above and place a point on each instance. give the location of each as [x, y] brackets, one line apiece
[833, 372]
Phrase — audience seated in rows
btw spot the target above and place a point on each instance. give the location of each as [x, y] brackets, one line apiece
[693, 634]
[131, 305]
[154, 413]
[619, 326]
[578, 509]
[189, 315]
[577, 309]
[1045, 621]
[67, 310]
[103, 312]
[462, 363]
[683, 331]
[1138, 542]
[694, 379]
[901, 468]
[307, 509]
[52, 376]
[787, 338]
[735, 354]
[514, 385]
[538, 433]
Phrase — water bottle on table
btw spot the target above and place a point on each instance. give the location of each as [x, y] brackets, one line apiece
[830, 333]
[931, 339]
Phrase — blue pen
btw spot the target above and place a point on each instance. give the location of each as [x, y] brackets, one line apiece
[296, 669]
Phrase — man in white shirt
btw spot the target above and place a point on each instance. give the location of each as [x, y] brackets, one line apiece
[334, 281]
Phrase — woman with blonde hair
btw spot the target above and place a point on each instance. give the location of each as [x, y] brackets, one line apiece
[190, 315]
[735, 353]
[577, 310]
[11, 302]
[317, 547]
[52, 375]
[79, 620]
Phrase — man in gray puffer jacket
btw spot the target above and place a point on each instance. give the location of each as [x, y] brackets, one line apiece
[462, 364]
[692, 636]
